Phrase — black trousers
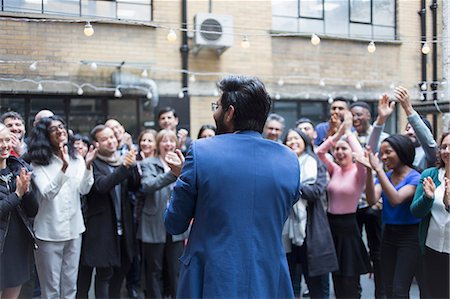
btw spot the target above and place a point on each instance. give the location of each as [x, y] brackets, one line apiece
[399, 258]
[370, 219]
[161, 267]
[436, 273]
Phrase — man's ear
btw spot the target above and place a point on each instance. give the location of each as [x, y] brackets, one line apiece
[229, 114]
[96, 144]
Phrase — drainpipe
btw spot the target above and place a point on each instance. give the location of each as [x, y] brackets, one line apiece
[434, 85]
[423, 29]
[184, 49]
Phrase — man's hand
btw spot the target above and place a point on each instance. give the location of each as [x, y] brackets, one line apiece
[63, 154]
[182, 136]
[129, 159]
[385, 109]
[16, 144]
[175, 160]
[128, 140]
[401, 95]
[90, 156]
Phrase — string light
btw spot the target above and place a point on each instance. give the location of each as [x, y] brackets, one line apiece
[117, 93]
[330, 99]
[80, 91]
[392, 86]
[192, 78]
[144, 73]
[280, 82]
[33, 66]
[171, 36]
[215, 92]
[277, 96]
[355, 98]
[93, 66]
[149, 95]
[371, 48]
[245, 43]
[181, 94]
[88, 30]
[425, 48]
[315, 40]
[322, 83]
[358, 85]
[424, 86]
[40, 87]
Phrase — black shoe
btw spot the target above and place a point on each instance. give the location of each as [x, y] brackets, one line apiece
[306, 293]
[133, 293]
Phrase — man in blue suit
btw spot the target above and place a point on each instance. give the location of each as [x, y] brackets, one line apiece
[239, 189]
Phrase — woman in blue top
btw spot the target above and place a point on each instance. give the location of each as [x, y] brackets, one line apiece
[400, 242]
[432, 204]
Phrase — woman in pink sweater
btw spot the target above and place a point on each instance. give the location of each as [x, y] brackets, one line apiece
[346, 184]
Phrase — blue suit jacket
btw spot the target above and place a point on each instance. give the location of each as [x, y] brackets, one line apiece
[239, 188]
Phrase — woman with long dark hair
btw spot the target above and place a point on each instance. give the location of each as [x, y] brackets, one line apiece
[17, 203]
[400, 243]
[61, 175]
[431, 203]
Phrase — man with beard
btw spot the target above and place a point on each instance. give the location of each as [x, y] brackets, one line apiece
[418, 129]
[325, 129]
[109, 240]
[273, 129]
[239, 188]
[16, 125]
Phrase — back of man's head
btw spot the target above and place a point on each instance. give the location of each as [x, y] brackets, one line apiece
[250, 100]
[42, 114]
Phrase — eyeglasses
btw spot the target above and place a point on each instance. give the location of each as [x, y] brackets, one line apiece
[53, 129]
[445, 147]
[214, 107]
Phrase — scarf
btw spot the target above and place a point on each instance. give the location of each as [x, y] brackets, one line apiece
[113, 160]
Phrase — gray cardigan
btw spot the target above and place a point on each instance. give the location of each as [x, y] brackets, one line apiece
[157, 187]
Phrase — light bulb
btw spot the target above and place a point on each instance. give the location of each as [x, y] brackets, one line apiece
[80, 91]
[277, 96]
[330, 100]
[88, 30]
[181, 94]
[371, 47]
[33, 66]
[144, 73]
[307, 96]
[392, 86]
[93, 66]
[215, 93]
[322, 83]
[315, 40]
[358, 85]
[40, 87]
[171, 36]
[192, 78]
[355, 98]
[149, 95]
[280, 82]
[425, 48]
[422, 97]
[245, 43]
[423, 86]
[117, 93]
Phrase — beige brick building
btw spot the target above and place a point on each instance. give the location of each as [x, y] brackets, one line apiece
[47, 62]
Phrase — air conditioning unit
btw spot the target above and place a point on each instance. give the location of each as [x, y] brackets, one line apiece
[213, 31]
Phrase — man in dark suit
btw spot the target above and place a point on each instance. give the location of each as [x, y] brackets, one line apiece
[239, 189]
[109, 240]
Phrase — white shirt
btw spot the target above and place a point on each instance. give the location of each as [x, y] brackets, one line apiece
[438, 237]
[59, 216]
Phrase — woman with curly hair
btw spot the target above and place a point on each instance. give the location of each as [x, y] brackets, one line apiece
[61, 175]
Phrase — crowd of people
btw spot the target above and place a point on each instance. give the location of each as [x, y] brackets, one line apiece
[246, 213]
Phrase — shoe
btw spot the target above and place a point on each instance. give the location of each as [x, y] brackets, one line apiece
[133, 293]
[306, 293]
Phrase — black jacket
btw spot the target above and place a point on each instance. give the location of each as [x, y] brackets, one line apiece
[101, 245]
[11, 203]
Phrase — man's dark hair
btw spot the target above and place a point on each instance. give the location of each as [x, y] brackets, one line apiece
[304, 120]
[13, 115]
[95, 130]
[360, 104]
[340, 99]
[165, 110]
[40, 150]
[249, 99]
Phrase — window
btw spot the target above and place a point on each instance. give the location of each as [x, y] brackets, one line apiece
[367, 19]
[135, 10]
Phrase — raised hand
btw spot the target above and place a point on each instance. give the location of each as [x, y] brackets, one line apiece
[130, 158]
[401, 95]
[90, 156]
[23, 182]
[363, 158]
[429, 187]
[385, 109]
[15, 143]
[182, 136]
[175, 160]
[64, 155]
[128, 140]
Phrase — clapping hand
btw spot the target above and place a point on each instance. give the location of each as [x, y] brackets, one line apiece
[175, 160]
[429, 187]
[64, 155]
[90, 156]
[23, 182]
[130, 158]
